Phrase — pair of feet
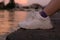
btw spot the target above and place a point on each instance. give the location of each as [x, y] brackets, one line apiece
[36, 21]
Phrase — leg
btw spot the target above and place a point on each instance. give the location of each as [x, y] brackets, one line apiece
[52, 7]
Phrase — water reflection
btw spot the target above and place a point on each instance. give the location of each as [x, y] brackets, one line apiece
[9, 20]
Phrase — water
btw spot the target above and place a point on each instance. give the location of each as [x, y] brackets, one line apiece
[9, 21]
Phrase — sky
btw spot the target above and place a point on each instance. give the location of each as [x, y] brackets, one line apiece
[28, 2]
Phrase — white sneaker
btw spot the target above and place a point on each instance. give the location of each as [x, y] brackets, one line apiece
[45, 22]
[35, 22]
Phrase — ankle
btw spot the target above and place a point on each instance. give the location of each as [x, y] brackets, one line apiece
[43, 14]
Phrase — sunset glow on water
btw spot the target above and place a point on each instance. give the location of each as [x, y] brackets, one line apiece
[5, 25]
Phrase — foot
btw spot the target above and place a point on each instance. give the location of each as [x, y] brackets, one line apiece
[37, 22]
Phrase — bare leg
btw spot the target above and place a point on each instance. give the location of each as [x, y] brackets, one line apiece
[52, 7]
